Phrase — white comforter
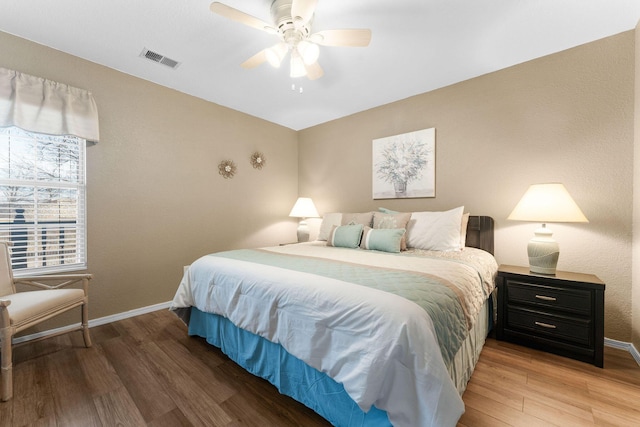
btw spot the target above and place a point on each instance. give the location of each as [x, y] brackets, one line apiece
[381, 347]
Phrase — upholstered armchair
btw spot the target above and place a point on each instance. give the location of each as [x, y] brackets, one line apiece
[21, 310]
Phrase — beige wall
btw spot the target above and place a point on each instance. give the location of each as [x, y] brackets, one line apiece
[566, 117]
[635, 294]
[155, 199]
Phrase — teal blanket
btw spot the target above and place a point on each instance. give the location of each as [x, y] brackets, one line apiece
[431, 293]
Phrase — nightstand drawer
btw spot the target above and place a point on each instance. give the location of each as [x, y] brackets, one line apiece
[569, 300]
[565, 328]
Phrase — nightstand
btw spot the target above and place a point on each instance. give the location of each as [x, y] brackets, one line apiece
[561, 314]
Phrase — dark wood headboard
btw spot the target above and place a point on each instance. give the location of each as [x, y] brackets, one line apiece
[480, 233]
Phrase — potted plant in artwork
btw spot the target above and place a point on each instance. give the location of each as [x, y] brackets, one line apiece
[403, 162]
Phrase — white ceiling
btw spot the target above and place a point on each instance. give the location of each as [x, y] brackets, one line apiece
[416, 46]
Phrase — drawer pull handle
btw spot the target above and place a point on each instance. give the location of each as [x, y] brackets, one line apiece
[545, 298]
[546, 325]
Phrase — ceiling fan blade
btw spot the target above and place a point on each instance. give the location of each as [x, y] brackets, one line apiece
[314, 71]
[302, 11]
[241, 17]
[354, 37]
[255, 60]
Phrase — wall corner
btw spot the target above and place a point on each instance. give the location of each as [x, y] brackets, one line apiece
[635, 276]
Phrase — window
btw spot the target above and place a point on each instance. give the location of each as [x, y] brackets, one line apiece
[42, 201]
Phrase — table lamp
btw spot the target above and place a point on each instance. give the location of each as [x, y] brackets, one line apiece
[304, 208]
[546, 203]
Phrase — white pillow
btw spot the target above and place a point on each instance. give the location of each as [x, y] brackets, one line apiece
[329, 221]
[435, 231]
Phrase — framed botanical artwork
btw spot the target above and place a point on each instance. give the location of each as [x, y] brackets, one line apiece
[404, 165]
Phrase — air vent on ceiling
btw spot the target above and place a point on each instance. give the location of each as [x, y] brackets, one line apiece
[161, 59]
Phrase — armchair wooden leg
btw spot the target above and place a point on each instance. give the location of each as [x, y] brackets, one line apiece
[7, 365]
[85, 324]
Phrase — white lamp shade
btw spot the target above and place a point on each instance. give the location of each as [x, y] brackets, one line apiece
[276, 54]
[547, 203]
[297, 65]
[304, 208]
[308, 51]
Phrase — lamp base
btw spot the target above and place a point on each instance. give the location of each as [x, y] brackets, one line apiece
[303, 231]
[543, 252]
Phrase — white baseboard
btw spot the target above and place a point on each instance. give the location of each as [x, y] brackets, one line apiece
[627, 346]
[96, 322]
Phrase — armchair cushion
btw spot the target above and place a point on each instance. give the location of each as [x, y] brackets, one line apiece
[27, 307]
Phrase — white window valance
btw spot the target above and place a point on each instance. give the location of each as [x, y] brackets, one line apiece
[39, 105]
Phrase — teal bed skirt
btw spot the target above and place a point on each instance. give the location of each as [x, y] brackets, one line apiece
[290, 375]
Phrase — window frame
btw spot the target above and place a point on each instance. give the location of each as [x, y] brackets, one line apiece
[35, 242]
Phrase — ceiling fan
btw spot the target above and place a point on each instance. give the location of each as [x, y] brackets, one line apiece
[292, 21]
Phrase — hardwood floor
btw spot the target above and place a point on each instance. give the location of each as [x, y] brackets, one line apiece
[517, 386]
[145, 371]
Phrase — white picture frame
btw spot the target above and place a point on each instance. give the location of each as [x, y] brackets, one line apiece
[404, 165]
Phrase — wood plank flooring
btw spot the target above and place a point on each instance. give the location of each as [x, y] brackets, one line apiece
[146, 371]
[517, 386]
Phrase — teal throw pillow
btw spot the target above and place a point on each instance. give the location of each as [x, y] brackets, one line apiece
[345, 236]
[382, 239]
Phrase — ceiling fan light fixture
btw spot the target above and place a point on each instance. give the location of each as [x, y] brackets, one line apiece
[297, 66]
[308, 51]
[276, 54]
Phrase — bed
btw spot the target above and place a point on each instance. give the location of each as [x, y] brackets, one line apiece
[365, 335]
